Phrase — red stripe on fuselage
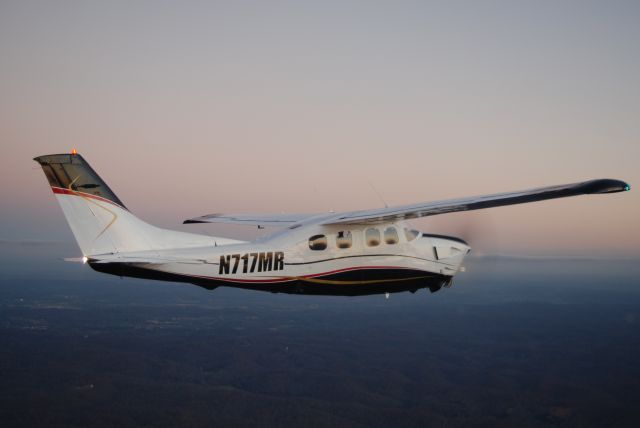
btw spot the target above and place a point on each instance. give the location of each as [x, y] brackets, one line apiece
[63, 191]
[288, 278]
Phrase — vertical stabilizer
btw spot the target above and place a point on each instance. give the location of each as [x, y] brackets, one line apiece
[99, 221]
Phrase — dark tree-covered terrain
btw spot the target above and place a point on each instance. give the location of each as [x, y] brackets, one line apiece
[513, 343]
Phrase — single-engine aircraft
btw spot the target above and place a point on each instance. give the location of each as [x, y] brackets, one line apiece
[337, 253]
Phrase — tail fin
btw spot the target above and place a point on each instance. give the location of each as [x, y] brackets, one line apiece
[99, 221]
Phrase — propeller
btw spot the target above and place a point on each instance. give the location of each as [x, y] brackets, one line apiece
[477, 228]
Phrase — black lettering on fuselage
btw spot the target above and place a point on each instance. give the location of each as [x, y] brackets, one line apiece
[254, 259]
[278, 263]
[264, 262]
[245, 262]
[236, 258]
[224, 264]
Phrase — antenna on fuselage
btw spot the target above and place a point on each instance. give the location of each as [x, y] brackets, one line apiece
[206, 232]
[378, 194]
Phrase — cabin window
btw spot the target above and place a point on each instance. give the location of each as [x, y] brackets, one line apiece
[390, 235]
[344, 239]
[372, 237]
[411, 234]
[318, 242]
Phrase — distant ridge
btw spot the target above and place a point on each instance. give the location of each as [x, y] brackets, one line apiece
[552, 258]
[32, 242]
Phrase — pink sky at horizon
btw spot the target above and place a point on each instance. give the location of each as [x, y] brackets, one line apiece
[212, 107]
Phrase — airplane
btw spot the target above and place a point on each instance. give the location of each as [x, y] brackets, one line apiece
[337, 253]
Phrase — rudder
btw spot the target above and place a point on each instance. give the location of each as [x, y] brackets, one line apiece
[100, 222]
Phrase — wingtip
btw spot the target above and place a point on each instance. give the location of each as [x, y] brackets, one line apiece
[606, 185]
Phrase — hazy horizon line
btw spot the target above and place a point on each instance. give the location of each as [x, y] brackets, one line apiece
[472, 255]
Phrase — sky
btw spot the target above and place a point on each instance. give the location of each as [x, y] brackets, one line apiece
[187, 108]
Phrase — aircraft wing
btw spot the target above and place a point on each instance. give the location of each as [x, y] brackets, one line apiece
[406, 212]
[282, 220]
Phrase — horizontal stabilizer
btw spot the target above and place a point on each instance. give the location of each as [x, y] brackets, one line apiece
[141, 258]
[282, 220]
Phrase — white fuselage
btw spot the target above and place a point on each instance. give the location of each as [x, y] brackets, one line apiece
[317, 255]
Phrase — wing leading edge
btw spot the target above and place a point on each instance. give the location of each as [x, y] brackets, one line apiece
[424, 209]
[412, 211]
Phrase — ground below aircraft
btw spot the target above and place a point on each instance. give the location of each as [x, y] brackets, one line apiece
[344, 253]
